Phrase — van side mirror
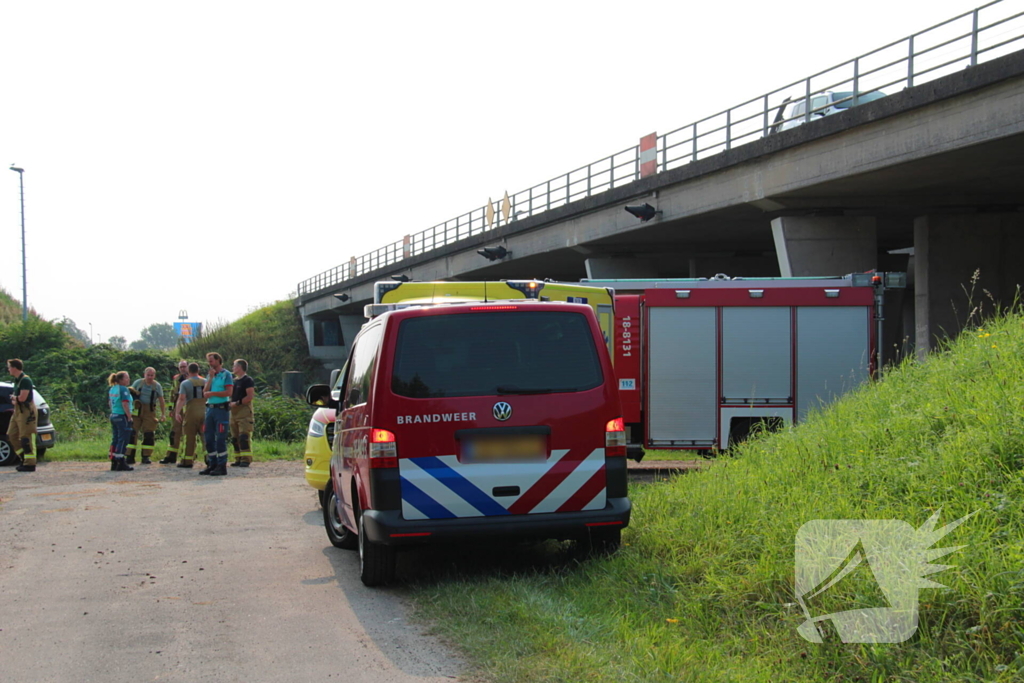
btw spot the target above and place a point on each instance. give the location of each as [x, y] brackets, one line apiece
[319, 395]
[334, 376]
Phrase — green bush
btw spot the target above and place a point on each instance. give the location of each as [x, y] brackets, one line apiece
[279, 417]
[30, 338]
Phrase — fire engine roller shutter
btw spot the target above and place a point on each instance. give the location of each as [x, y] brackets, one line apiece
[831, 352]
[757, 354]
[683, 363]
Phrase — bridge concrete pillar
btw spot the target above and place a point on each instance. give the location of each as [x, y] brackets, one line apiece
[809, 246]
[329, 337]
[619, 268]
[964, 264]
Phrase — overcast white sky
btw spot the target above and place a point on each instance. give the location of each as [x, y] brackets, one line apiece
[208, 155]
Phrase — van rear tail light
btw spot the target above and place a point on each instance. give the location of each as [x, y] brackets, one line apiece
[383, 449]
[615, 438]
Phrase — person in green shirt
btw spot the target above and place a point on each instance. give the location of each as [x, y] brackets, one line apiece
[23, 423]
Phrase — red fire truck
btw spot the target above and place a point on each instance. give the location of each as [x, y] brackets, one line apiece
[700, 362]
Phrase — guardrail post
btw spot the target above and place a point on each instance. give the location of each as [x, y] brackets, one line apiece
[910, 65]
[530, 209]
[807, 103]
[406, 246]
[695, 142]
[974, 40]
[856, 81]
[765, 116]
[588, 175]
[566, 188]
[728, 129]
[549, 195]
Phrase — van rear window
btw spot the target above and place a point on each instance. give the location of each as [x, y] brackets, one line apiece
[483, 354]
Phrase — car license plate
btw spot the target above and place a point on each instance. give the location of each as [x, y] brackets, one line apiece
[46, 438]
[525, 448]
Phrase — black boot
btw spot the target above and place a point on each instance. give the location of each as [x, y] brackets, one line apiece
[185, 465]
[146, 460]
[122, 465]
[130, 459]
[31, 468]
[113, 464]
[211, 465]
[169, 459]
[221, 468]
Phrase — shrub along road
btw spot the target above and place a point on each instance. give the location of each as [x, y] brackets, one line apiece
[160, 574]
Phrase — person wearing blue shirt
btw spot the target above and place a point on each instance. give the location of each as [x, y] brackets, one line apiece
[120, 400]
[219, 385]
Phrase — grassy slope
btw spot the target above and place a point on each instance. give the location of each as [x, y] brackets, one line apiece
[703, 588]
[10, 309]
[270, 338]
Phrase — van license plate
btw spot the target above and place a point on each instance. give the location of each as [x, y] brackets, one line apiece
[526, 448]
[46, 438]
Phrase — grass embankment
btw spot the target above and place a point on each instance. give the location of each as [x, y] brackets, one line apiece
[703, 588]
[270, 338]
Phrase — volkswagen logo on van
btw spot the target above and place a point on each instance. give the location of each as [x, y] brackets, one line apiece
[502, 411]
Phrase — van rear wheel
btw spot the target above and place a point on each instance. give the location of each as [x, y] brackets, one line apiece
[376, 560]
[603, 541]
[339, 535]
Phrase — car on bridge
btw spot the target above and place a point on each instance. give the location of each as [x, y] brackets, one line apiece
[46, 435]
[792, 113]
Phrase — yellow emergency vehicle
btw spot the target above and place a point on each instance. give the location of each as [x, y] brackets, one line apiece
[601, 299]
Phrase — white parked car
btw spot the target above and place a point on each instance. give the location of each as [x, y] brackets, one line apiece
[793, 113]
[46, 435]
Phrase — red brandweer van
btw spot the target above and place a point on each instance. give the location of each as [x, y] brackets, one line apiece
[475, 419]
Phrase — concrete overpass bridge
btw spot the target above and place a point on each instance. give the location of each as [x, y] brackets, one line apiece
[929, 179]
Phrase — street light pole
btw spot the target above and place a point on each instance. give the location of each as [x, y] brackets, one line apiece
[24, 278]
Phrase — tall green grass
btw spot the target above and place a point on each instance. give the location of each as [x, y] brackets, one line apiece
[703, 587]
[270, 338]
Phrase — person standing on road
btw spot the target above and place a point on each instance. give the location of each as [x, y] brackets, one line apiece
[190, 412]
[174, 440]
[120, 400]
[218, 390]
[149, 392]
[22, 429]
[242, 420]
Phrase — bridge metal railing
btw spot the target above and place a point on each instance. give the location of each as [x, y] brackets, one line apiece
[989, 31]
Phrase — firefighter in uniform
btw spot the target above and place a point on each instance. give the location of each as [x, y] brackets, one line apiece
[148, 393]
[242, 421]
[174, 440]
[23, 422]
[190, 412]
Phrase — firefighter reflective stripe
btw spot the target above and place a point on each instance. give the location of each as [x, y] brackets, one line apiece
[442, 487]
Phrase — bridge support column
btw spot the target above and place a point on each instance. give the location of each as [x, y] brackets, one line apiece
[619, 268]
[948, 250]
[810, 246]
[329, 337]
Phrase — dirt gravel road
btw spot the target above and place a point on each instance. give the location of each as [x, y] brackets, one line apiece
[162, 575]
